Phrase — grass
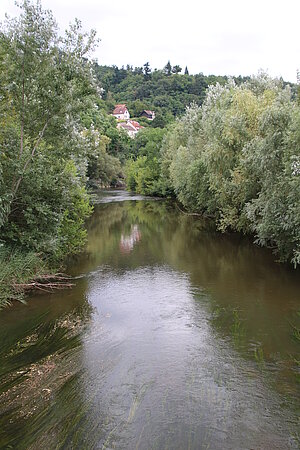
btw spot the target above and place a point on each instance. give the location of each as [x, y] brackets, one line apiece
[17, 267]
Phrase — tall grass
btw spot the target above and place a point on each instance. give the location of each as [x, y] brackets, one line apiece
[16, 268]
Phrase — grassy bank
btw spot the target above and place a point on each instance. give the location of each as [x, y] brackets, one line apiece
[22, 272]
[17, 269]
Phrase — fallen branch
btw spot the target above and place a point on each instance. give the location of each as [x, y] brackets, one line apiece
[56, 276]
[42, 286]
[45, 282]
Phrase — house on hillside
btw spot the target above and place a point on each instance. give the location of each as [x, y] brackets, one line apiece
[136, 124]
[150, 115]
[131, 127]
[121, 112]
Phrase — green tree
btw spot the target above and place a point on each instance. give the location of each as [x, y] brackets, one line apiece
[48, 83]
[237, 159]
[274, 158]
[168, 69]
[103, 168]
[143, 172]
[147, 70]
[176, 69]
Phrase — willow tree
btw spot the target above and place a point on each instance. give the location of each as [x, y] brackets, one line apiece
[237, 158]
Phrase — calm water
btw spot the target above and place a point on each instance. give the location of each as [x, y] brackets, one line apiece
[174, 337]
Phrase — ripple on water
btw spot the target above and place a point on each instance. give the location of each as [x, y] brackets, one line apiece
[174, 337]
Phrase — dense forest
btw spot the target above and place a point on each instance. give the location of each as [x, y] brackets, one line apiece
[227, 148]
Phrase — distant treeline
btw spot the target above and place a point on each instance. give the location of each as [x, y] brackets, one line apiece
[167, 91]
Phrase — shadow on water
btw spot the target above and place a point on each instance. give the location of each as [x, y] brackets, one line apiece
[174, 337]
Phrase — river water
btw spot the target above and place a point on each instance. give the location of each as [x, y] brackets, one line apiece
[174, 337]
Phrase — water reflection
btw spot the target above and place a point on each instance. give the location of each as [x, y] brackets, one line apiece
[174, 337]
[127, 242]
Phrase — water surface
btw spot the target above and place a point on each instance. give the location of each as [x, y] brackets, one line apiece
[174, 337]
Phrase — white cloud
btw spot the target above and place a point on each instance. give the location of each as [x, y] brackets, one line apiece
[221, 37]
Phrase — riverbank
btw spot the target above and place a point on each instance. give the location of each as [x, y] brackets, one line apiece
[23, 272]
[17, 268]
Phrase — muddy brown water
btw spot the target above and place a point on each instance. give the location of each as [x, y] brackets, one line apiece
[174, 337]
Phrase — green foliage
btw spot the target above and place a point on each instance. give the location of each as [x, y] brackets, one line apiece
[166, 91]
[237, 159]
[102, 167]
[168, 69]
[275, 156]
[47, 194]
[71, 234]
[116, 144]
[143, 172]
[47, 96]
[230, 122]
[17, 267]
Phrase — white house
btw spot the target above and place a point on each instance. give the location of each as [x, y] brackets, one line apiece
[121, 112]
[131, 127]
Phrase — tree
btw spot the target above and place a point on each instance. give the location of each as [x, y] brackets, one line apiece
[186, 72]
[237, 158]
[48, 81]
[168, 69]
[176, 69]
[143, 172]
[138, 71]
[103, 168]
[147, 70]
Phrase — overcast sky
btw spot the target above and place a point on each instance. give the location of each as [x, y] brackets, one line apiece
[222, 37]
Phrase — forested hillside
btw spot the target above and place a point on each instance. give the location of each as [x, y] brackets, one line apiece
[167, 91]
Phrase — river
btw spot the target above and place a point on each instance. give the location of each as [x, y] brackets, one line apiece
[174, 337]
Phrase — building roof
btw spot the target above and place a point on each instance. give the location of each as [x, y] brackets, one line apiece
[135, 124]
[120, 109]
[127, 126]
[130, 126]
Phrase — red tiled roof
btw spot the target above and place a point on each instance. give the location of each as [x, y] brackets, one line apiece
[120, 109]
[127, 126]
[135, 124]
